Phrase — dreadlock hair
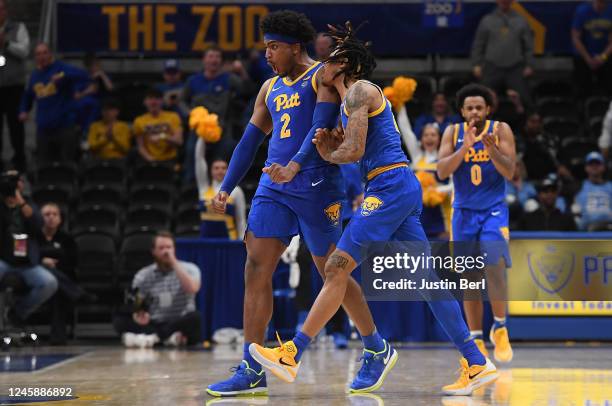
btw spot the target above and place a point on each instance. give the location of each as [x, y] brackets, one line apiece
[290, 23]
[352, 51]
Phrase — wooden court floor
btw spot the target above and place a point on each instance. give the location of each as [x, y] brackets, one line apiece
[541, 374]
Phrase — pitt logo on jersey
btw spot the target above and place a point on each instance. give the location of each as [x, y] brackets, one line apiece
[477, 156]
[333, 213]
[284, 102]
[370, 205]
[43, 90]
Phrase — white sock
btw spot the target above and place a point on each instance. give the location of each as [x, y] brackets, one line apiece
[499, 319]
[475, 333]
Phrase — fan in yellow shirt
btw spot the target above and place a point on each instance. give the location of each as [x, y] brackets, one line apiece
[159, 133]
[109, 138]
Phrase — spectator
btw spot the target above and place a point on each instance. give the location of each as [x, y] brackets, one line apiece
[537, 153]
[52, 84]
[258, 69]
[58, 253]
[109, 138]
[15, 43]
[172, 88]
[502, 52]
[519, 190]
[159, 133]
[324, 45]
[435, 216]
[594, 200]
[547, 217]
[19, 250]
[230, 225]
[216, 89]
[89, 93]
[605, 140]
[592, 40]
[168, 287]
[440, 114]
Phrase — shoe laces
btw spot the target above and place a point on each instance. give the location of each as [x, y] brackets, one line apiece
[366, 357]
[463, 371]
[240, 369]
[283, 350]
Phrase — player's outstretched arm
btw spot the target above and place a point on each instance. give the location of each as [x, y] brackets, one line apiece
[448, 159]
[503, 154]
[259, 126]
[325, 116]
[357, 101]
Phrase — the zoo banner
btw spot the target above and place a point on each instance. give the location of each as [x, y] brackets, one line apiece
[187, 28]
[564, 277]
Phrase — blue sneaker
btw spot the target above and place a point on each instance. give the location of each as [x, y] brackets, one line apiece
[376, 366]
[245, 382]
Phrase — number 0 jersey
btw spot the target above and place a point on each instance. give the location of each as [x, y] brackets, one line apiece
[478, 185]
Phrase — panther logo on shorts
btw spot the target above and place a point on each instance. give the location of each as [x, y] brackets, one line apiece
[370, 204]
[333, 213]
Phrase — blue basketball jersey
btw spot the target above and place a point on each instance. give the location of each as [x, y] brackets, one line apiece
[383, 142]
[478, 185]
[291, 104]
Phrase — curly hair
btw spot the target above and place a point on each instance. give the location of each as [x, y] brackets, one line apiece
[474, 90]
[290, 23]
[349, 49]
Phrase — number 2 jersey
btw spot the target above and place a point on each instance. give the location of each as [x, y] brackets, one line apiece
[478, 185]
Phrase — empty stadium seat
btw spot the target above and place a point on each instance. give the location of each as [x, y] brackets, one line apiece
[187, 221]
[57, 173]
[557, 107]
[596, 106]
[146, 219]
[450, 85]
[97, 219]
[105, 172]
[153, 173]
[573, 151]
[53, 193]
[553, 88]
[189, 193]
[101, 194]
[561, 127]
[160, 196]
[135, 253]
[595, 127]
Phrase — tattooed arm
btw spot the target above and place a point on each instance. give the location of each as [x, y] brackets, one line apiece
[357, 103]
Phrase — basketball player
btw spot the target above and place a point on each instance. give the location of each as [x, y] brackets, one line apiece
[298, 193]
[390, 211]
[479, 154]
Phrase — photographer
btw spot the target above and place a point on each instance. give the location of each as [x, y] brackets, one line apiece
[164, 307]
[19, 250]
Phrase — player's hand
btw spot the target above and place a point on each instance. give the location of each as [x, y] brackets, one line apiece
[477, 71]
[219, 203]
[282, 174]
[327, 141]
[490, 139]
[469, 138]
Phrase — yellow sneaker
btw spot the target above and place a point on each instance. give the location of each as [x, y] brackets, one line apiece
[279, 360]
[482, 347]
[471, 378]
[503, 351]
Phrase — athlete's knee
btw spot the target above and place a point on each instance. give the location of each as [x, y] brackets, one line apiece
[256, 273]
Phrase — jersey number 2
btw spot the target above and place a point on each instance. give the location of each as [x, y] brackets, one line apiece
[285, 132]
[476, 174]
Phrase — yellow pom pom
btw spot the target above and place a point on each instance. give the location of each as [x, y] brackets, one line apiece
[403, 89]
[426, 179]
[206, 125]
[196, 115]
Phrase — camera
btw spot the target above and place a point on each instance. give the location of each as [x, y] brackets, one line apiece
[137, 301]
[8, 185]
